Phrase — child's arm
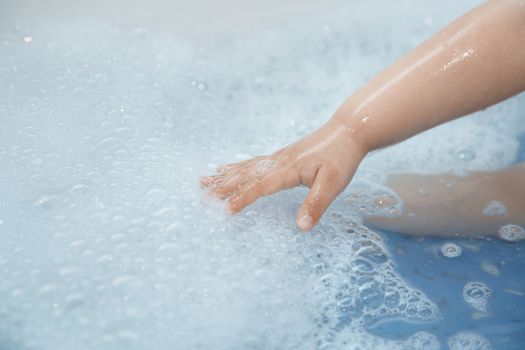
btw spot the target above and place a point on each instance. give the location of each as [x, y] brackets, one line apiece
[476, 61]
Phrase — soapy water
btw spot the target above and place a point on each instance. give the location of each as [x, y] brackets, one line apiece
[373, 199]
[468, 341]
[477, 295]
[107, 241]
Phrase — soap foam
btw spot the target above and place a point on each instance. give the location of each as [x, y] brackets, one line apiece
[495, 208]
[468, 340]
[108, 243]
[477, 295]
[451, 250]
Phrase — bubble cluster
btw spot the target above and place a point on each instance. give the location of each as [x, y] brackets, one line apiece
[451, 250]
[468, 340]
[477, 295]
[373, 199]
[495, 208]
[107, 241]
[511, 233]
[262, 167]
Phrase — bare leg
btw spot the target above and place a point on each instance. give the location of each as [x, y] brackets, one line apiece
[448, 205]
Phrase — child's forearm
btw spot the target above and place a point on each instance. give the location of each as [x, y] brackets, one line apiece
[474, 62]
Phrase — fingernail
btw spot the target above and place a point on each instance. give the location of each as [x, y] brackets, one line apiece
[305, 222]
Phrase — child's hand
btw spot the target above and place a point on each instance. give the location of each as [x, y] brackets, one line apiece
[325, 161]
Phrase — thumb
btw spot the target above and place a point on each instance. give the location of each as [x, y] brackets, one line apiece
[321, 195]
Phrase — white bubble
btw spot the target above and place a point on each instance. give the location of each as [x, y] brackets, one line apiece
[124, 246]
[468, 340]
[511, 233]
[451, 250]
[466, 155]
[495, 208]
[490, 268]
[477, 295]
[422, 341]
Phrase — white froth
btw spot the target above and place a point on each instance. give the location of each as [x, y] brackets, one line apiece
[451, 250]
[511, 233]
[495, 208]
[468, 340]
[107, 242]
[477, 295]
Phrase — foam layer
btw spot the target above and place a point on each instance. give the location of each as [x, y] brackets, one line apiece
[468, 340]
[107, 242]
[511, 233]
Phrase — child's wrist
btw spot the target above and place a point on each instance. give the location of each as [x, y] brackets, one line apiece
[355, 130]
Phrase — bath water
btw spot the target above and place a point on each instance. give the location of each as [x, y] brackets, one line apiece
[107, 242]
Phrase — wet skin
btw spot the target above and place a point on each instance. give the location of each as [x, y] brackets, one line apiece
[449, 205]
[474, 62]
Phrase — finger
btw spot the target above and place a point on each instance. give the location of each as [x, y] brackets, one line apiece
[211, 181]
[322, 193]
[271, 183]
[230, 185]
[223, 169]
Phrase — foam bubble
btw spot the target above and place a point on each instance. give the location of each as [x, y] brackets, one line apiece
[511, 233]
[468, 340]
[451, 250]
[105, 139]
[373, 199]
[495, 208]
[477, 295]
